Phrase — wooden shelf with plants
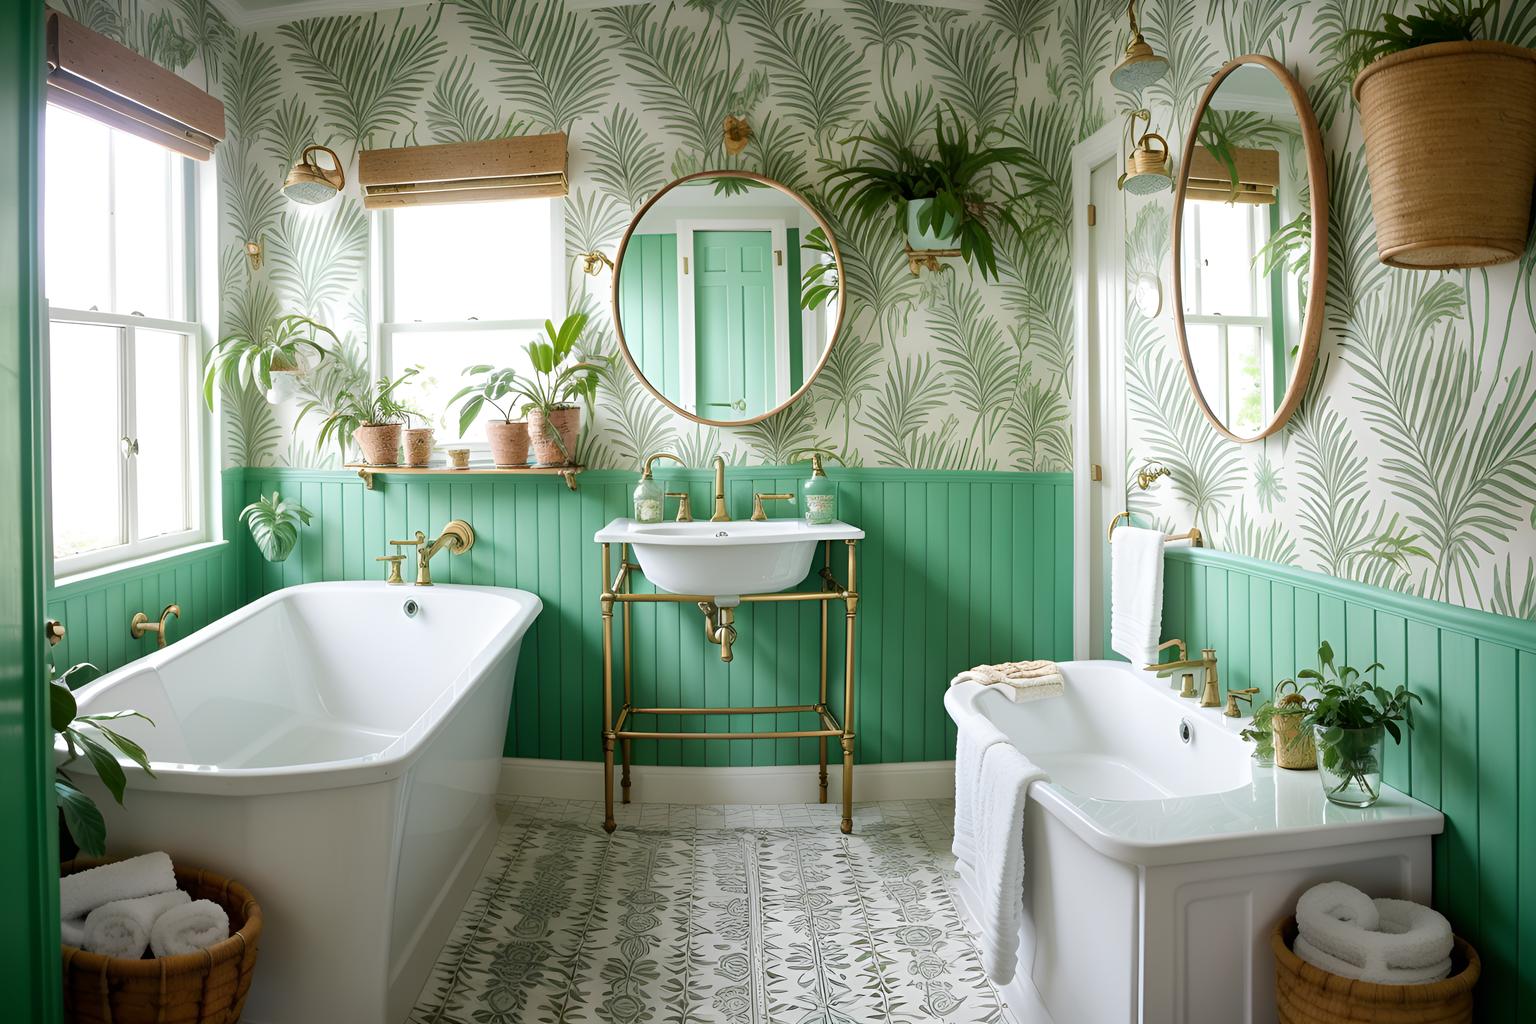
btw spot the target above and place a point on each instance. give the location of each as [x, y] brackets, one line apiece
[367, 471]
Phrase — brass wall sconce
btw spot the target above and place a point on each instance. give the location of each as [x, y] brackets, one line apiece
[593, 262]
[1150, 474]
[253, 253]
[309, 183]
[737, 133]
[1148, 167]
[1141, 66]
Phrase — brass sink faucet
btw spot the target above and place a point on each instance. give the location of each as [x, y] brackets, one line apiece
[1210, 693]
[722, 515]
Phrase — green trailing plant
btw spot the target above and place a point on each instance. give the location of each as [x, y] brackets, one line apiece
[1261, 730]
[239, 359]
[1444, 21]
[89, 736]
[818, 281]
[962, 174]
[374, 405]
[274, 525]
[561, 377]
[1348, 707]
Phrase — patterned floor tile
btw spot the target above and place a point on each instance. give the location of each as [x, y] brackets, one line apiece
[692, 915]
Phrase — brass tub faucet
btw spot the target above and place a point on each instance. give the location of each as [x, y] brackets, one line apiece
[458, 537]
[140, 624]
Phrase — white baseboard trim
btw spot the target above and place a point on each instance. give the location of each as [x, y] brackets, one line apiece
[789, 784]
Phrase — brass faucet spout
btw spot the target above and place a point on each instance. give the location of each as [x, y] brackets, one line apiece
[458, 537]
[721, 514]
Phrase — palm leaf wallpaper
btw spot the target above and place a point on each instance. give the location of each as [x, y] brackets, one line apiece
[1411, 465]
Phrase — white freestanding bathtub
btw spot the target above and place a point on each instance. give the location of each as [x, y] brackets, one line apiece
[335, 747]
[1159, 855]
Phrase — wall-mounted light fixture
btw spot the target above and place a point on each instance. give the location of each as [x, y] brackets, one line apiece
[1141, 66]
[1148, 167]
[309, 183]
[737, 134]
[593, 262]
[253, 253]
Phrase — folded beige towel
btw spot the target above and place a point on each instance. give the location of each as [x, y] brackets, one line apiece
[1020, 680]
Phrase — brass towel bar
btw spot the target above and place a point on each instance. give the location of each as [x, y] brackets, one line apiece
[1193, 534]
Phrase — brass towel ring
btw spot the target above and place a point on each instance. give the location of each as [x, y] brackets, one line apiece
[1115, 521]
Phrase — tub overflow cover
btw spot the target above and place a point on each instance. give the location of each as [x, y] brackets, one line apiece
[411, 608]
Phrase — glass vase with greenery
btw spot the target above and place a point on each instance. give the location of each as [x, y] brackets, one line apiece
[274, 525]
[963, 178]
[89, 736]
[1348, 716]
[238, 359]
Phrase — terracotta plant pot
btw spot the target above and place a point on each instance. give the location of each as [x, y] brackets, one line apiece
[1450, 145]
[418, 446]
[567, 421]
[380, 444]
[509, 442]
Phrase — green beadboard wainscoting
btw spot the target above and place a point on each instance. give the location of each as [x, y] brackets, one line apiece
[95, 608]
[1472, 754]
[958, 568]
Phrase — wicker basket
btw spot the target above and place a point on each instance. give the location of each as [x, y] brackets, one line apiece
[1305, 994]
[1450, 143]
[208, 987]
[1294, 747]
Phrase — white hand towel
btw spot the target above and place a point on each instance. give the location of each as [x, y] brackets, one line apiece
[1136, 593]
[122, 928]
[973, 736]
[997, 877]
[1420, 935]
[72, 932]
[1331, 913]
[145, 875]
[1382, 976]
[189, 928]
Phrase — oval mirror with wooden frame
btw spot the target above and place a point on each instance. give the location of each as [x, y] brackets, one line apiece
[727, 296]
[1250, 247]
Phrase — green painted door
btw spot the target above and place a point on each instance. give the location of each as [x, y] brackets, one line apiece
[29, 892]
[733, 323]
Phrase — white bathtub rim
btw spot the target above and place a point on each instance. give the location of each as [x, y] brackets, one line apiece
[391, 762]
[1241, 821]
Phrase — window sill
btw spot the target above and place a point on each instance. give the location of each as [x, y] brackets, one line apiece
[159, 560]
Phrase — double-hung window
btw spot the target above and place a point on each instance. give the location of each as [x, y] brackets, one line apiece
[125, 428]
[465, 284]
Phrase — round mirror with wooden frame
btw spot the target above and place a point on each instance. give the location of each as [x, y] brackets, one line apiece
[1250, 247]
[727, 296]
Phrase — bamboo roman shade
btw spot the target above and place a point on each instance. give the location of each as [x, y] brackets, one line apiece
[526, 167]
[1258, 176]
[92, 75]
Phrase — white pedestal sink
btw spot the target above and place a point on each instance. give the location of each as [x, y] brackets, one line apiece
[722, 561]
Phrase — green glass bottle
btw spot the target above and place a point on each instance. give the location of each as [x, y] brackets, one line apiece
[819, 493]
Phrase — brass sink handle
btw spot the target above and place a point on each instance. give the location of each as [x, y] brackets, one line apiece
[394, 579]
[1233, 696]
[758, 497]
[684, 511]
[140, 624]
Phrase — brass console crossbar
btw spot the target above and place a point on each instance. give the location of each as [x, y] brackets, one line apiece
[615, 733]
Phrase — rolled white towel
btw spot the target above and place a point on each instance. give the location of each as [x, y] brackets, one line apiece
[72, 932]
[1380, 976]
[122, 928]
[189, 928]
[145, 875]
[1421, 936]
[1331, 915]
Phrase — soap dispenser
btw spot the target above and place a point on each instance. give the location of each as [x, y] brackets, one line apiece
[650, 499]
[819, 492]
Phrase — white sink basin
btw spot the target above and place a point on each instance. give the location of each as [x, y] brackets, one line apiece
[725, 560]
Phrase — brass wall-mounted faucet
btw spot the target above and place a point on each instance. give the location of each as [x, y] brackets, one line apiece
[1210, 693]
[721, 514]
[140, 624]
[458, 537]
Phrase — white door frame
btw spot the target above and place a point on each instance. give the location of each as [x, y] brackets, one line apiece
[686, 363]
[1103, 146]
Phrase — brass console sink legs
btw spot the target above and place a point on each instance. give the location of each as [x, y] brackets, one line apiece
[619, 728]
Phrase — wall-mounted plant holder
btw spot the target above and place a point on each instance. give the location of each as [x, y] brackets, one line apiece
[928, 259]
[367, 472]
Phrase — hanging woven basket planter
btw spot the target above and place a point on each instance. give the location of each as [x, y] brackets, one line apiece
[1450, 144]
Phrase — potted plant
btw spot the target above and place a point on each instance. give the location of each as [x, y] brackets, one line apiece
[90, 736]
[238, 359]
[948, 191]
[1277, 733]
[372, 416]
[418, 444]
[1349, 717]
[274, 525]
[1450, 137]
[507, 437]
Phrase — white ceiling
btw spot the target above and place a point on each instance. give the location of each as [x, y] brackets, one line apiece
[263, 13]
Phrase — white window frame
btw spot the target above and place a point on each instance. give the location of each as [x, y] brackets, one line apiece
[1221, 403]
[197, 196]
[386, 327]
